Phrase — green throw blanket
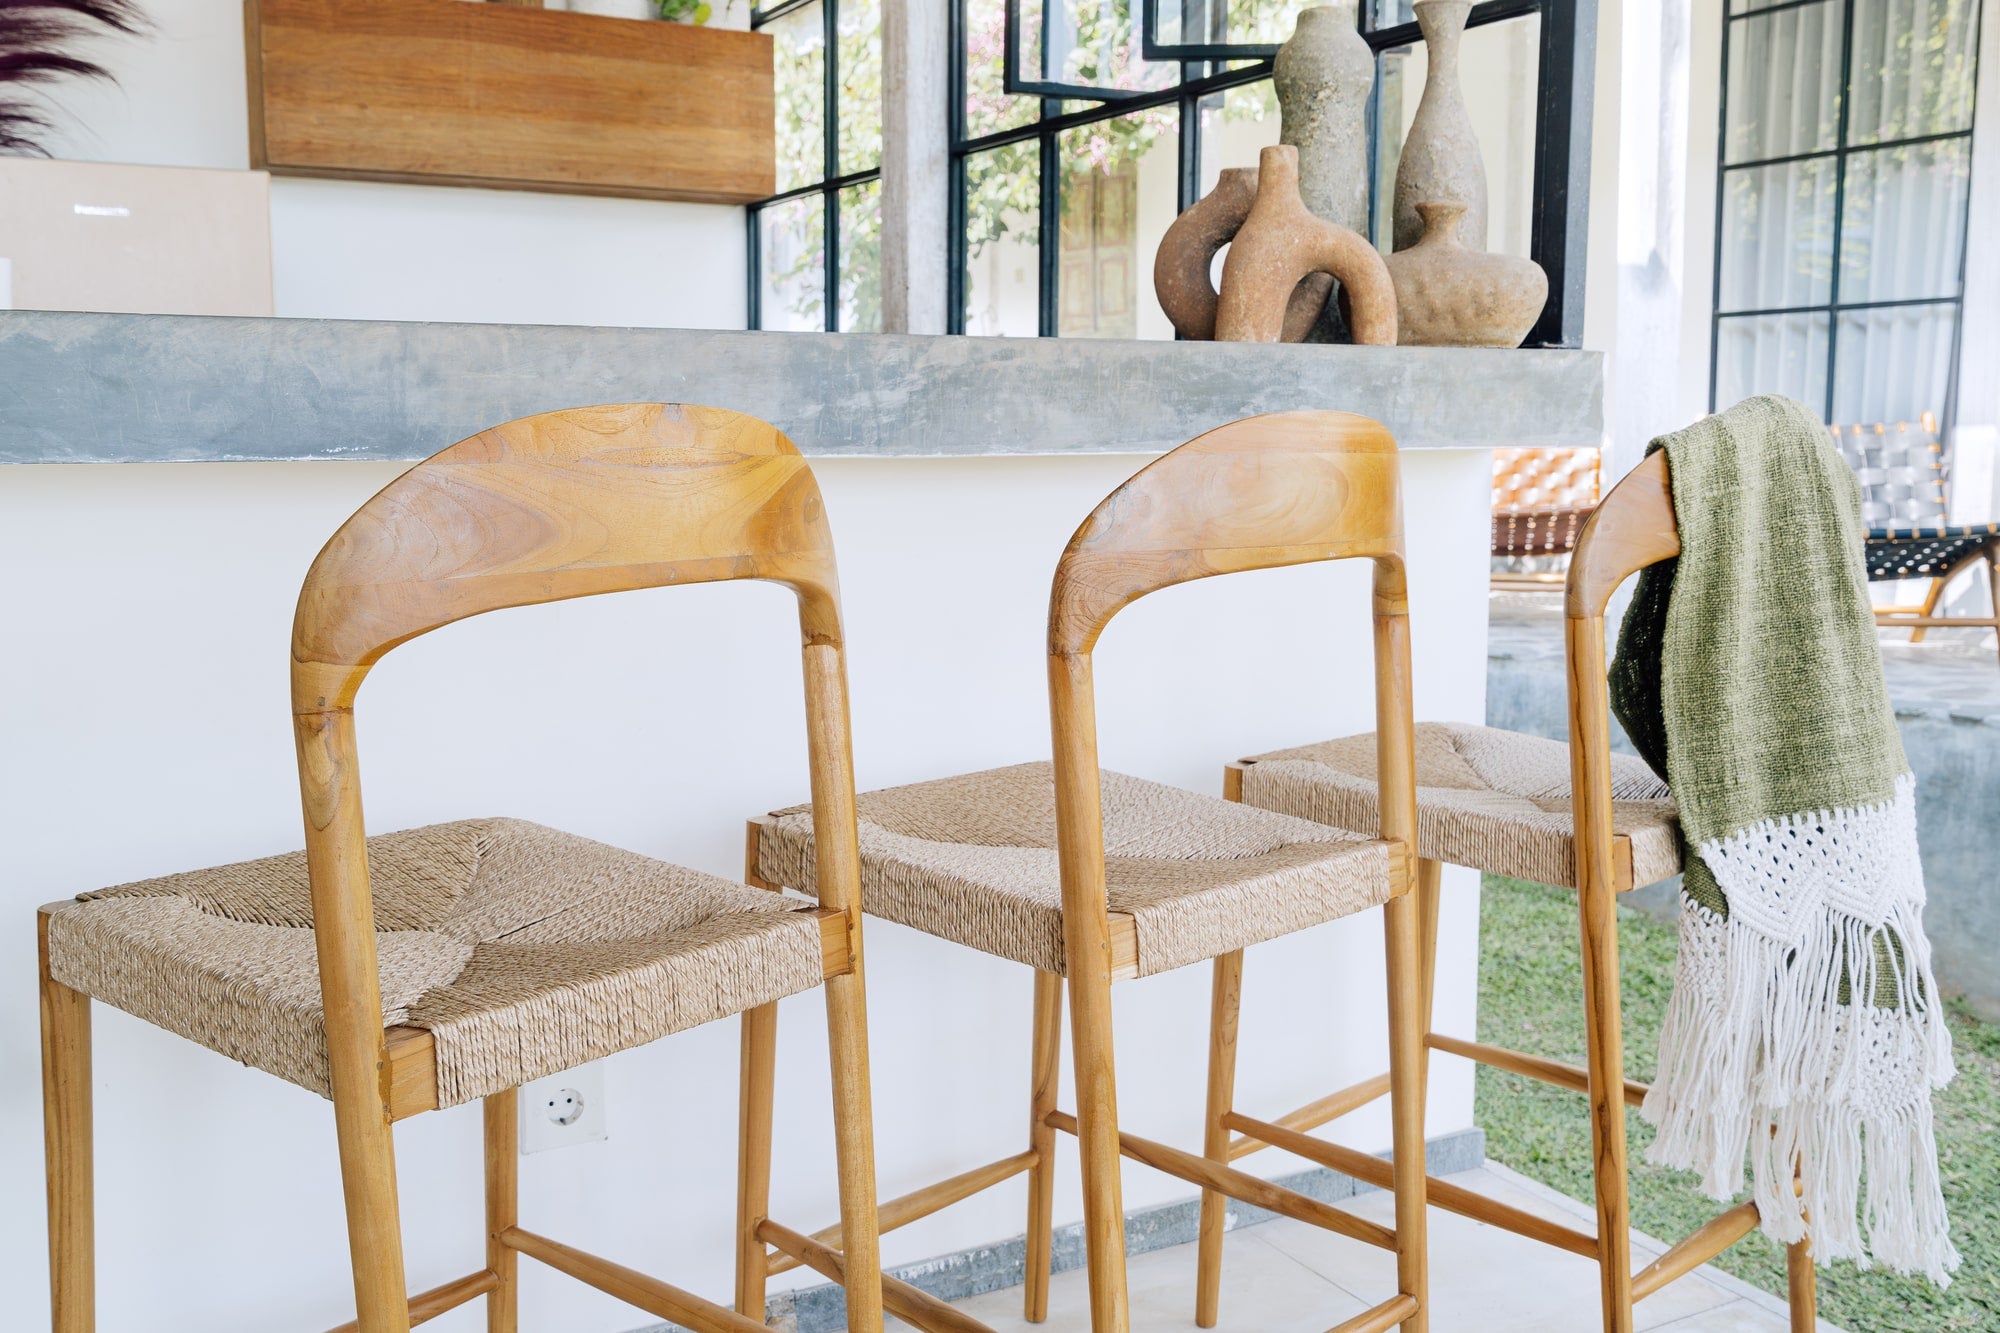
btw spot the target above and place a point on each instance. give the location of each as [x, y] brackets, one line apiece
[1805, 1029]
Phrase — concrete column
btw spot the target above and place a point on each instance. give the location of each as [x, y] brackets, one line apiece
[1975, 444]
[916, 160]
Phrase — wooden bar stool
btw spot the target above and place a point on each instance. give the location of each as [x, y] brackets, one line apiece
[447, 964]
[1094, 878]
[1502, 802]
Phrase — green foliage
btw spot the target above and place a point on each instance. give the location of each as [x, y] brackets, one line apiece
[1531, 998]
[685, 11]
[1003, 185]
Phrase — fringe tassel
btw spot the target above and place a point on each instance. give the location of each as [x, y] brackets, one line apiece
[1761, 1058]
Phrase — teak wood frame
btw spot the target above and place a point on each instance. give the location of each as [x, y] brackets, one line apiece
[1923, 618]
[1631, 529]
[566, 504]
[1284, 489]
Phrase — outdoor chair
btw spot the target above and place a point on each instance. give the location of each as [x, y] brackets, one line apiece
[1574, 816]
[1905, 507]
[1541, 498]
[442, 965]
[1093, 878]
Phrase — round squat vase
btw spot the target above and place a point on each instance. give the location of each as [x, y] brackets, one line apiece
[1449, 296]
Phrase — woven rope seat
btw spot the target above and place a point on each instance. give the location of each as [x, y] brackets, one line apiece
[525, 951]
[972, 859]
[1494, 800]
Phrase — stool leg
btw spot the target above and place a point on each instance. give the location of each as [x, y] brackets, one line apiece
[374, 1223]
[753, 1156]
[1045, 1076]
[66, 1130]
[1929, 605]
[1993, 584]
[1097, 1143]
[1224, 1001]
[502, 1116]
[854, 1148]
[1429, 904]
[1802, 1286]
[1408, 1009]
[1604, 1040]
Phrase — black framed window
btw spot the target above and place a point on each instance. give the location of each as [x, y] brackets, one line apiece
[1841, 205]
[1080, 128]
[822, 232]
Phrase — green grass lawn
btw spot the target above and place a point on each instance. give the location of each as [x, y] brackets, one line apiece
[1531, 998]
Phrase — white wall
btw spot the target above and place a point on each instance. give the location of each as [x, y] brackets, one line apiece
[142, 699]
[354, 250]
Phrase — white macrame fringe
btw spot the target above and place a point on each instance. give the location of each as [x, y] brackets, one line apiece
[1760, 1059]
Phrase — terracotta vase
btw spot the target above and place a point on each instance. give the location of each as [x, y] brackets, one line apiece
[1186, 257]
[1449, 296]
[1441, 154]
[1280, 243]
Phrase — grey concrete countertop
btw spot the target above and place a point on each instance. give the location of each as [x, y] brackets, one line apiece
[81, 388]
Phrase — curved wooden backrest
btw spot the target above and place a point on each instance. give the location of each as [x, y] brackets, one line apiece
[565, 504]
[1284, 489]
[1633, 527]
[1281, 489]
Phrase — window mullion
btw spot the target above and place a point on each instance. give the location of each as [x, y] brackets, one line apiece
[955, 204]
[829, 191]
[1839, 200]
[1050, 196]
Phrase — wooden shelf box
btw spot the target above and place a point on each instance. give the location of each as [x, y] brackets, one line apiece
[446, 92]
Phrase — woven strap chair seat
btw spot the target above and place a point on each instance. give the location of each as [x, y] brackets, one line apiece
[1494, 800]
[1529, 532]
[525, 952]
[1934, 552]
[972, 859]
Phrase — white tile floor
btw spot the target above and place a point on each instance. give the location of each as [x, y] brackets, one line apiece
[1286, 1277]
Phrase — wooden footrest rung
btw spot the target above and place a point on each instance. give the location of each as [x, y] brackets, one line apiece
[910, 1304]
[1314, 1114]
[919, 1204]
[1696, 1249]
[1573, 1077]
[1244, 1188]
[1893, 620]
[428, 1305]
[1384, 1316]
[1443, 1194]
[655, 1297]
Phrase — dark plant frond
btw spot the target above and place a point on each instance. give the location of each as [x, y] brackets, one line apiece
[35, 36]
[124, 15]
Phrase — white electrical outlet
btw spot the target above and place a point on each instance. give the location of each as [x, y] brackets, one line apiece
[564, 1109]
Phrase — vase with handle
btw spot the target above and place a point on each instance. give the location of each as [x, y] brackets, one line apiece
[1280, 243]
[1441, 160]
[1181, 268]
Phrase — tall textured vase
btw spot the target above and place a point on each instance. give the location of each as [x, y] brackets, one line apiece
[1323, 77]
[1441, 160]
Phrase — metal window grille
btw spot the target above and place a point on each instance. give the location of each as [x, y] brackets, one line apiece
[831, 181]
[1826, 230]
